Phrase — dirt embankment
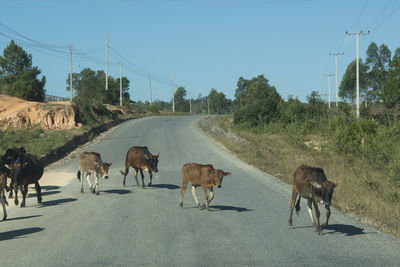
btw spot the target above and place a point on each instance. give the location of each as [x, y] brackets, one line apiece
[18, 113]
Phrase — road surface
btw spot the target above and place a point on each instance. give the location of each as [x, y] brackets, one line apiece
[131, 226]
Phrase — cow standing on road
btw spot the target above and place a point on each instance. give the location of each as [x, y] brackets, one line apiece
[27, 170]
[91, 163]
[139, 158]
[204, 176]
[312, 184]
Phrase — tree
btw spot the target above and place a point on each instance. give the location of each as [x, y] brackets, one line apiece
[348, 84]
[179, 97]
[18, 77]
[391, 88]
[257, 104]
[89, 86]
[377, 61]
[218, 102]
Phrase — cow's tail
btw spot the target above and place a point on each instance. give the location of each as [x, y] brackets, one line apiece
[298, 206]
[79, 175]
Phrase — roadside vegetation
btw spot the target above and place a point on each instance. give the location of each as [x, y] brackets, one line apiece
[361, 155]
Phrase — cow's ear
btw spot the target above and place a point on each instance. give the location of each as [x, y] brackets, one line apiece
[109, 164]
[24, 165]
[7, 166]
[227, 173]
[145, 156]
[316, 185]
[156, 156]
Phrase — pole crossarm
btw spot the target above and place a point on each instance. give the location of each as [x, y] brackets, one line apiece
[337, 85]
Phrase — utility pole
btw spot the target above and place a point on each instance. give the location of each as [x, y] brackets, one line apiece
[70, 73]
[120, 84]
[337, 95]
[173, 92]
[208, 105]
[106, 62]
[329, 89]
[190, 103]
[357, 70]
[150, 88]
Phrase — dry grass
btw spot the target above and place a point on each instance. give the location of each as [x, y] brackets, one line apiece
[362, 191]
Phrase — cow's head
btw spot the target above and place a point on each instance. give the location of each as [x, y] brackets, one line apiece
[15, 171]
[153, 161]
[324, 191]
[103, 169]
[13, 154]
[219, 175]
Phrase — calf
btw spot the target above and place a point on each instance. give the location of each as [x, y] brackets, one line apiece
[312, 184]
[139, 158]
[23, 174]
[204, 176]
[13, 155]
[91, 163]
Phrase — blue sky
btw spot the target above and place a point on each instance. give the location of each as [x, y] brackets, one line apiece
[204, 43]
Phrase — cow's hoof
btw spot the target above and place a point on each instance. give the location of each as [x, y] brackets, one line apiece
[324, 225]
[123, 184]
[82, 191]
[149, 184]
[209, 209]
[22, 205]
[39, 200]
[4, 218]
[16, 202]
[97, 193]
[181, 205]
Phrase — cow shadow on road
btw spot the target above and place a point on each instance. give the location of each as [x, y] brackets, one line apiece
[19, 233]
[45, 193]
[346, 229]
[233, 208]
[56, 202]
[164, 186]
[23, 218]
[117, 191]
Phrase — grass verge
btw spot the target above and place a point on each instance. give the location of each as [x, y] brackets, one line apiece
[363, 192]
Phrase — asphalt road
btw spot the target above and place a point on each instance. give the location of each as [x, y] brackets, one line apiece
[130, 226]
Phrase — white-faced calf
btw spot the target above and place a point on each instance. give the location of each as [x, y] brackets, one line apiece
[91, 163]
[312, 184]
[204, 176]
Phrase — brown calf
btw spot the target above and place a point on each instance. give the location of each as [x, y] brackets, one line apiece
[91, 163]
[204, 176]
[139, 158]
[312, 184]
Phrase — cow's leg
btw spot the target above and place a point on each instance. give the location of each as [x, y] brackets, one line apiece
[90, 184]
[125, 174]
[82, 191]
[184, 185]
[294, 196]
[151, 178]
[206, 198]
[141, 174]
[24, 192]
[309, 209]
[211, 194]
[11, 190]
[136, 172]
[38, 192]
[16, 195]
[96, 183]
[328, 214]
[195, 196]
[317, 213]
[3, 205]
